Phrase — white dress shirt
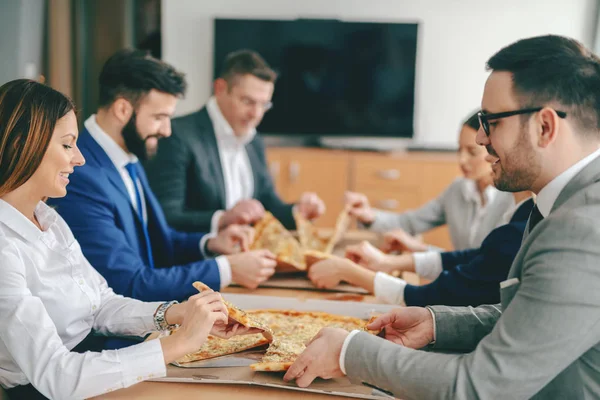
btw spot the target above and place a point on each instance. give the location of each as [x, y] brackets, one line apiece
[120, 159]
[50, 300]
[391, 290]
[237, 171]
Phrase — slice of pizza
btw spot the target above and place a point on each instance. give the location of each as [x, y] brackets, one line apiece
[292, 330]
[313, 256]
[240, 316]
[218, 347]
[270, 234]
[341, 226]
[310, 236]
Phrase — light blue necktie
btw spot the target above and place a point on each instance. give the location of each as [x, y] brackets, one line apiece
[132, 169]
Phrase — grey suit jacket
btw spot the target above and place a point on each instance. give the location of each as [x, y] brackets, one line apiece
[186, 176]
[546, 341]
[449, 208]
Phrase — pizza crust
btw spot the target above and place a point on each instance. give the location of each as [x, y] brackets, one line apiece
[271, 366]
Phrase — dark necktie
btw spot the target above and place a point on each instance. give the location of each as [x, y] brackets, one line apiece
[132, 169]
[535, 217]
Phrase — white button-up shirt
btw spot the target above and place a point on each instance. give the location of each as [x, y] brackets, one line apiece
[50, 300]
[235, 165]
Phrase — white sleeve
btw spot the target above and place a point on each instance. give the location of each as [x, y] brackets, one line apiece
[342, 359]
[120, 315]
[214, 221]
[388, 288]
[428, 264]
[30, 337]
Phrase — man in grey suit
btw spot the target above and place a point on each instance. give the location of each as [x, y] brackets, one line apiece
[541, 126]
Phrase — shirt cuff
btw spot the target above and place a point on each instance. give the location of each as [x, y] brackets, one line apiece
[344, 348]
[224, 271]
[428, 264]
[432, 316]
[203, 250]
[142, 361]
[214, 222]
[389, 288]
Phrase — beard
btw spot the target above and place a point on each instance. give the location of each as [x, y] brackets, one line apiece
[135, 143]
[520, 168]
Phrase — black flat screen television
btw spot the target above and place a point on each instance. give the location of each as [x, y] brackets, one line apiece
[335, 78]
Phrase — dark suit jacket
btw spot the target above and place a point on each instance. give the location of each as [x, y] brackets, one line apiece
[187, 178]
[472, 277]
[103, 220]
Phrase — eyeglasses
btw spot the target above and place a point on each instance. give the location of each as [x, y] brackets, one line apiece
[484, 119]
[247, 101]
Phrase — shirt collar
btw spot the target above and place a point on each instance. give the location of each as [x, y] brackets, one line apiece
[224, 131]
[549, 193]
[117, 155]
[471, 193]
[16, 221]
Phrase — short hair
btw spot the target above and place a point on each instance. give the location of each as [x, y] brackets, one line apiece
[29, 111]
[472, 121]
[244, 62]
[132, 74]
[554, 70]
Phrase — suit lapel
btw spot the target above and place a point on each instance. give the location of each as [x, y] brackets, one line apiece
[254, 166]
[585, 177]
[208, 139]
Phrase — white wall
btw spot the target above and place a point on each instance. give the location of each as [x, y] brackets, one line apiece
[456, 37]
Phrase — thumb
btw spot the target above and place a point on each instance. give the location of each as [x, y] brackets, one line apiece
[381, 321]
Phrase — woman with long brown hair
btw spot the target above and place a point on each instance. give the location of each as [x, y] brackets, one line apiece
[53, 304]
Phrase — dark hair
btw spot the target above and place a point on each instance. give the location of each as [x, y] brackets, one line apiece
[472, 122]
[554, 70]
[243, 62]
[132, 74]
[29, 111]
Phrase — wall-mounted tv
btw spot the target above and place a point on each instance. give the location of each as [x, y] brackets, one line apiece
[335, 78]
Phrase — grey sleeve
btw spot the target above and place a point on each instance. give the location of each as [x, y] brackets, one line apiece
[422, 219]
[552, 321]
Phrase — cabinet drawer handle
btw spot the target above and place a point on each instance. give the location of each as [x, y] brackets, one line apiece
[294, 171]
[389, 174]
[274, 169]
[388, 204]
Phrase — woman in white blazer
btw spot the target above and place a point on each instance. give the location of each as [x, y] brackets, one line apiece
[54, 306]
[470, 206]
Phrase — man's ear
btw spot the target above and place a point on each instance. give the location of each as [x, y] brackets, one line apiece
[547, 126]
[122, 109]
[220, 86]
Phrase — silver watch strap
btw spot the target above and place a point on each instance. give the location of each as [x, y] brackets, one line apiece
[160, 322]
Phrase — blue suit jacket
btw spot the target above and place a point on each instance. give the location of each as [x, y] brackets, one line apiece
[98, 210]
[472, 277]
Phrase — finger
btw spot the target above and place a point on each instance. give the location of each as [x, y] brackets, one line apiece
[267, 254]
[381, 321]
[306, 378]
[266, 272]
[219, 317]
[296, 370]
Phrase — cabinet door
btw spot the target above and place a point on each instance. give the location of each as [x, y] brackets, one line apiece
[325, 173]
[277, 164]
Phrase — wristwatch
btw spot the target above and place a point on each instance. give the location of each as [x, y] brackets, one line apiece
[160, 323]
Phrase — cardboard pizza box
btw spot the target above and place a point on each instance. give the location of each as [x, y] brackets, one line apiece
[234, 370]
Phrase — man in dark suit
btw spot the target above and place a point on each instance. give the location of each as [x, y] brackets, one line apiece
[112, 211]
[212, 171]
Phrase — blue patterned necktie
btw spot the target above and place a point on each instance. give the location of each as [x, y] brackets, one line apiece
[132, 169]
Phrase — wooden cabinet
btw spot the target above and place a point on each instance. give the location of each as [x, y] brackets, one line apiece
[299, 170]
[395, 182]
